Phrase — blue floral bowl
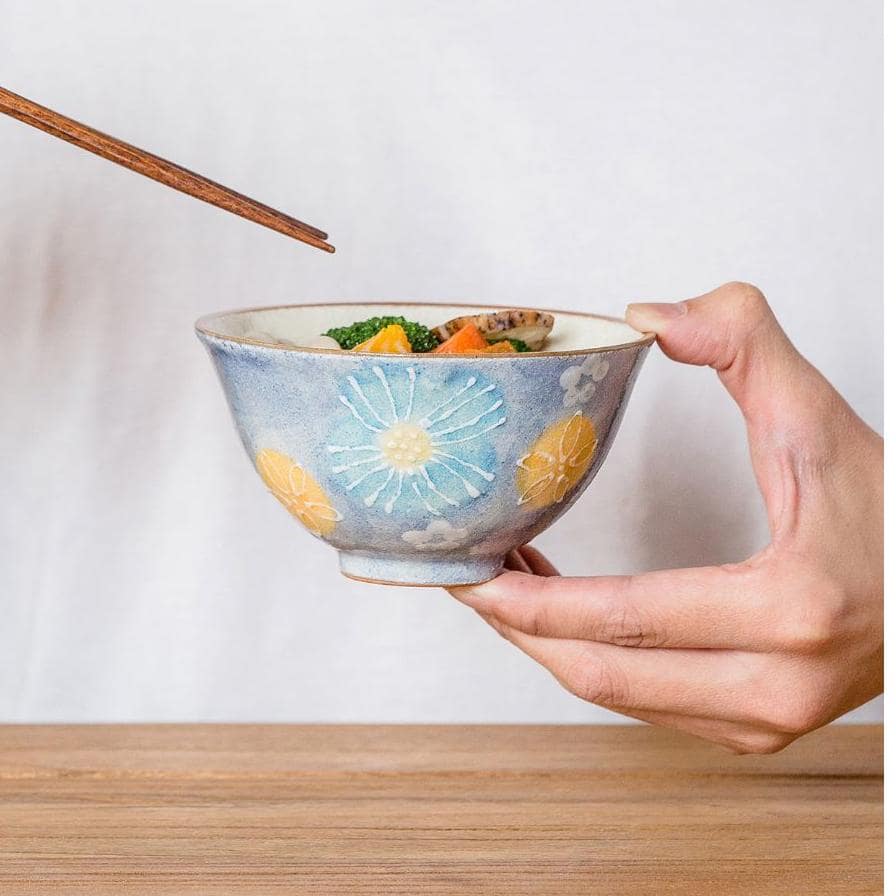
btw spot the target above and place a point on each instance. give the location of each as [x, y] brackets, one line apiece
[422, 469]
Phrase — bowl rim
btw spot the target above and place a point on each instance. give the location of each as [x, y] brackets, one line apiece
[203, 326]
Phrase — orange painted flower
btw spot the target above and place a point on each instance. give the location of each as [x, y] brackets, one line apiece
[557, 461]
[298, 491]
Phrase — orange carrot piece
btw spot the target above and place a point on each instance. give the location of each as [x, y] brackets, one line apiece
[467, 339]
[501, 348]
[391, 340]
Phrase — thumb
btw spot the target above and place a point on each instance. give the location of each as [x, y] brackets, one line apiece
[733, 330]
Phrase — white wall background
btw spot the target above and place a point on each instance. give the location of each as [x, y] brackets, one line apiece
[568, 154]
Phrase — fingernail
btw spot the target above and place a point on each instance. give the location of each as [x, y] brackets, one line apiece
[653, 315]
[464, 593]
[471, 595]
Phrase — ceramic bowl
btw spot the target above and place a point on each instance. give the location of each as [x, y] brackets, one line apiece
[422, 469]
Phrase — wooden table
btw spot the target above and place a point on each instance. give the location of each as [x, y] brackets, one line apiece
[212, 809]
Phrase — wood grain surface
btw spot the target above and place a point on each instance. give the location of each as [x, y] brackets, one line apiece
[214, 809]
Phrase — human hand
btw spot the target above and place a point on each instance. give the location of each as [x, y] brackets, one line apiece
[754, 654]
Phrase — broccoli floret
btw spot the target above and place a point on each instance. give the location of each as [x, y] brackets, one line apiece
[517, 344]
[420, 337]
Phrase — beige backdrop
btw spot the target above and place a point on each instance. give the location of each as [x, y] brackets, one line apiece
[569, 154]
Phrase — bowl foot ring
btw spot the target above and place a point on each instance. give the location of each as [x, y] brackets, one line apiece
[434, 573]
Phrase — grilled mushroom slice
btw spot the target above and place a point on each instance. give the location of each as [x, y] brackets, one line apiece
[532, 327]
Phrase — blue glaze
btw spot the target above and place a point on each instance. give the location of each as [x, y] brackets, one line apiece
[419, 456]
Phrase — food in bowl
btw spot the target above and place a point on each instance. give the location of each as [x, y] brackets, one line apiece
[525, 329]
[419, 337]
[505, 331]
[424, 467]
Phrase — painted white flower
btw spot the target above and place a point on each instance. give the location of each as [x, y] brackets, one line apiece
[578, 381]
[408, 441]
[439, 535]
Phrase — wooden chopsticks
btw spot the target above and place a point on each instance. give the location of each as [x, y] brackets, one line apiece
[159, 169]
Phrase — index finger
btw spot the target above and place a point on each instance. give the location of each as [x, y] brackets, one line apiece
[724, 607]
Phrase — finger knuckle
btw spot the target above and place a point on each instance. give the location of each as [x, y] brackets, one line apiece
[809, 633]
[522, 606]
[533, 620]
[628, 626]
[815, 620]
[795, 714]
[749, 298]
[600, 683]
